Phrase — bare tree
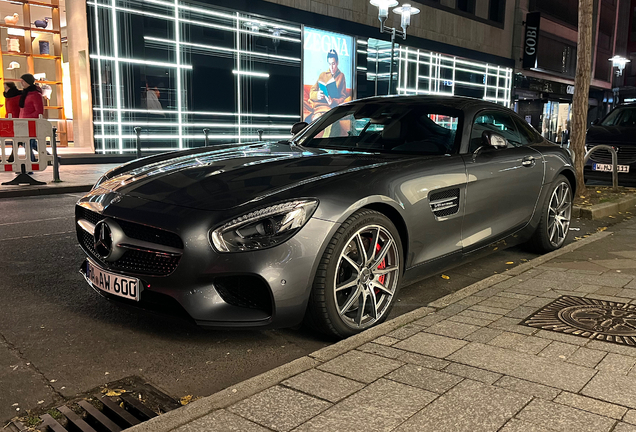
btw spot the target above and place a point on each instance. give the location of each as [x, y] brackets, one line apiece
[582, 90]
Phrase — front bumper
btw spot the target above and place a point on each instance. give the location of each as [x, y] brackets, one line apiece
[248, 289]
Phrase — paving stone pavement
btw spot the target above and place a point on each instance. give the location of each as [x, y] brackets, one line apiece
[467, 366]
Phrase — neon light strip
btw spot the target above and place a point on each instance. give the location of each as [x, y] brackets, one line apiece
[232, 17]
[142, 62]
[294, 116]
[217, 125]
[199, 136]
[238, 77]
[132, 11]
[218, 48]
[248, 73]
[362, 52]
[238, 30]
[99, 71]
[177, 35]
[117, 72]
[425, 91]
[362, 42]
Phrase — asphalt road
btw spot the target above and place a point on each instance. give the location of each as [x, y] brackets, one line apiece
[59, 339]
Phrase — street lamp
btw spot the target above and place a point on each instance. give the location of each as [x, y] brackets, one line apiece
[619, 62]
[406, 11]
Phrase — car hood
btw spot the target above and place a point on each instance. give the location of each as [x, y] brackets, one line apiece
[611, 135]
[232, 176]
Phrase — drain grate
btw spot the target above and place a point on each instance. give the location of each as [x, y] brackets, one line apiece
[589, 318]
[115, 407]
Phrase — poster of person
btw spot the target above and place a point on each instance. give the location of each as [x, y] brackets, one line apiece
[328, 71]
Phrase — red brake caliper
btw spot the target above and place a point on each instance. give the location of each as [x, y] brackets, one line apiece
[382, 266]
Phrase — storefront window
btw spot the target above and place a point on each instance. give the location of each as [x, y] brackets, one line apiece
[175, 70]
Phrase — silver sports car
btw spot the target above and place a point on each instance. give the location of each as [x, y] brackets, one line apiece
[327, 226]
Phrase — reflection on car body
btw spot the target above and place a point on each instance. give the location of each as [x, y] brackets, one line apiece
[326, 227]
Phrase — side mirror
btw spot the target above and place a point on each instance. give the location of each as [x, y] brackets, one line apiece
[596, 121]
[299, 126]
[493, 139]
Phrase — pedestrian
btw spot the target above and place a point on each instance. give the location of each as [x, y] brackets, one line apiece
[12, 99]
[31, 105]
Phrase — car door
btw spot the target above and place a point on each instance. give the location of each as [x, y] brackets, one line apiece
[503, 184]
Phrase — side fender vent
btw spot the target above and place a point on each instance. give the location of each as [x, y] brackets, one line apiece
[445, 203]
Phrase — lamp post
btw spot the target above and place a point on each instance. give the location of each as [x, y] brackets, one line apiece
[406, 11]
[618, 62]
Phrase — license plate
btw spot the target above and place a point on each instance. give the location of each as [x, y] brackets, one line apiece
[608, 167]
[112, 283]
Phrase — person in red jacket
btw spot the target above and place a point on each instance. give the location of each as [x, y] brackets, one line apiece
[31, 105]
[12, 99]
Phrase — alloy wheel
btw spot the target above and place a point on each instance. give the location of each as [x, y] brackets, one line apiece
[559, 214]
[366, 276]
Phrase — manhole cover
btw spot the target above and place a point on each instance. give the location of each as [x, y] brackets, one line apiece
[588, 318]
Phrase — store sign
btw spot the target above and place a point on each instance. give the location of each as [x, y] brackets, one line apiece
[328, 71]
[531, 40]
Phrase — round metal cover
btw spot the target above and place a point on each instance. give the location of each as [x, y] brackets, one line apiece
[589, 318]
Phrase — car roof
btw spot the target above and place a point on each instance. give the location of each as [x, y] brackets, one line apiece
[457, 102]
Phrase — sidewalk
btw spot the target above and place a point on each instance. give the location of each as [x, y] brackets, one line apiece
[465, 363]
[74, 178]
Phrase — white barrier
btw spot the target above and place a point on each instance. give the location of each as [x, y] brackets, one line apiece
[15, 133]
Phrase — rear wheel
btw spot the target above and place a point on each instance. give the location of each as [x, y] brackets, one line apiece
[357, 279]
[555, 218]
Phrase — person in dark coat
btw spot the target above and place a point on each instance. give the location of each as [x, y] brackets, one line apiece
[12, 99]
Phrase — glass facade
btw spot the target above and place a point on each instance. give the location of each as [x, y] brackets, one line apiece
[175, 68]
[418, 71]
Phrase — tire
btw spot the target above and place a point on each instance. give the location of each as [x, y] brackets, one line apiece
[355, 286]
[556, 214]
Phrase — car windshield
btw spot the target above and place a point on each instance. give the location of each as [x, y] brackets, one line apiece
[392, 128]
[621, 117]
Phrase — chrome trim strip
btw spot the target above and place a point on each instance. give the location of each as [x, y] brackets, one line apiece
[86, 226]
[146, 248]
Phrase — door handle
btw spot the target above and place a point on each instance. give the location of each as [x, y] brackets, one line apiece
[528, 161]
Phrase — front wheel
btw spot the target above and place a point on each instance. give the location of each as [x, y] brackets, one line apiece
[357, 279]
[555, 218]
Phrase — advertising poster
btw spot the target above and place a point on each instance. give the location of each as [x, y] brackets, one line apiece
[328, 71]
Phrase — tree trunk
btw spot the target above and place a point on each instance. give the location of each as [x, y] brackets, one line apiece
[582, 90]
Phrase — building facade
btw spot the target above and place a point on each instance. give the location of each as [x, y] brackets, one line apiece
[546, 49]
[237, 69]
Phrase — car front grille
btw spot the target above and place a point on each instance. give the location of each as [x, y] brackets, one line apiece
[133, 261]
[626, 155]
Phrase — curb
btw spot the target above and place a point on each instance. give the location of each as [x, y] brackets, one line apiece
[51, 190]
[224, 398]
[599, 211]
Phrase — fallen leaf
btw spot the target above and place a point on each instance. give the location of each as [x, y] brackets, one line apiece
[598, 191]
[510, 262]
[601, 229]
[445, 277]
[495, 248]
[116, 392]
[185, 400]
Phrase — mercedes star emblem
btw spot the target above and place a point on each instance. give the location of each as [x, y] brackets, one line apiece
[103, 239]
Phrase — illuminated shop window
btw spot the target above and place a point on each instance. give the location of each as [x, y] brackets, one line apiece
[174, 68]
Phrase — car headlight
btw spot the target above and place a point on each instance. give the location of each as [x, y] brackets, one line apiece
[263, 228]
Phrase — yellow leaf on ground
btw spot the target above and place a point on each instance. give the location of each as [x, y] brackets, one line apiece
[115, 392]
[601, 228]
[510, 262]
[598, 191]
[186, 400]
[445, 277]
[495, 248]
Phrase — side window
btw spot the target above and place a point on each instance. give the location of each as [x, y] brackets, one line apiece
[527, 135]
[495, 121]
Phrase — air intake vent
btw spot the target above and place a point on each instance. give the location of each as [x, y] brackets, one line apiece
[445, 203]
